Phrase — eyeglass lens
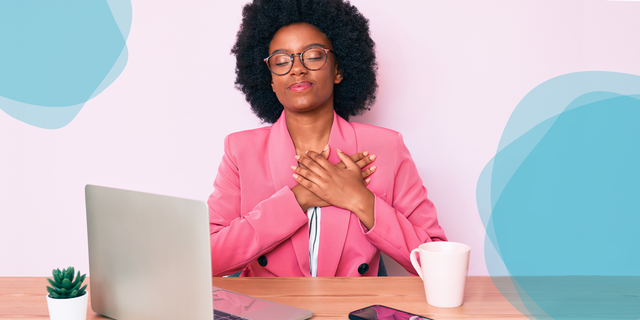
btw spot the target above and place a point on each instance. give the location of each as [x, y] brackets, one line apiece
[312, 59]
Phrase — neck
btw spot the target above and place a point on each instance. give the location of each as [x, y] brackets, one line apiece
[310, 131]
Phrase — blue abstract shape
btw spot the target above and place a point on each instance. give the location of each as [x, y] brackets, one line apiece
[59, 54]
[559, 200]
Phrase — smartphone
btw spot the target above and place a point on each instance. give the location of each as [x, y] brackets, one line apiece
[378, 312]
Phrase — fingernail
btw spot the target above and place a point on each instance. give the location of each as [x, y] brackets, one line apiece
[326, 148]
[373, 168]
[366, 153]
[295, 176]
[306, 152]
[294, 167]
[367, 180]
[339, 150]
[297, 157]
[373, 157]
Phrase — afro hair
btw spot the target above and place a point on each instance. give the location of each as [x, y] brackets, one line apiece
[344, 26]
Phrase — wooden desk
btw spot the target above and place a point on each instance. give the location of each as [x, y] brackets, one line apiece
[328, 298]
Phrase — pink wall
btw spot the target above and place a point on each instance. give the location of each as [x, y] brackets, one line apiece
[450, 74]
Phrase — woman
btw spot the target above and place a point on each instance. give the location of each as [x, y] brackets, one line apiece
[301, 197]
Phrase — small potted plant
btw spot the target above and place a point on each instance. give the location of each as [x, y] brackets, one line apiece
[66, 299]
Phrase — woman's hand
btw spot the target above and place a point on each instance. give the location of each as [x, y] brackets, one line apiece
[341, 187]
[307, 199]
[362, 159]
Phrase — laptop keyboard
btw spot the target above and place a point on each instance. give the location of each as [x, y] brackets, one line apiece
[221, 315]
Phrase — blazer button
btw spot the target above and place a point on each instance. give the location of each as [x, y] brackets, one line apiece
[363, 268]
[262, 261]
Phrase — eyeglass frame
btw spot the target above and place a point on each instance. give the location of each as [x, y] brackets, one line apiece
[326, 54]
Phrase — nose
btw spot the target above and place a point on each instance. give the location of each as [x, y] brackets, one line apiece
[297, 67]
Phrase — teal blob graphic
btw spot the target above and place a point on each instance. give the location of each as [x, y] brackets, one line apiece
[57, 55]
[559, 201]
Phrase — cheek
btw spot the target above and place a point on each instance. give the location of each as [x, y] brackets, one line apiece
[276, 82]
[327, 84]
[277, 85]
[279, 88]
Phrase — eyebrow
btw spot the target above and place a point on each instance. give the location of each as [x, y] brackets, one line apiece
[306, 47]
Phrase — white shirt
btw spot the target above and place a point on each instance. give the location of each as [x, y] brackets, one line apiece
[314, 239]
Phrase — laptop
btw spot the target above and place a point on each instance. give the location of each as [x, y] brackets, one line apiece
[150, 258]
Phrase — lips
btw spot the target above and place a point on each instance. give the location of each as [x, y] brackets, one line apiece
[300, 86]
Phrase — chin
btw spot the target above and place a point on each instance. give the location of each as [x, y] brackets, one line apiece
[300, 107]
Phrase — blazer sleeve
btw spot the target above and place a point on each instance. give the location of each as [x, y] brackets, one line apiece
[238, 239]
[410, 218]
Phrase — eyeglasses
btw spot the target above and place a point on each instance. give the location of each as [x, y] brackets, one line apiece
[313, 58]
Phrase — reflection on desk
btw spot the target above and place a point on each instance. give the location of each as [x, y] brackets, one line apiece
[237, 304]
[328, 298]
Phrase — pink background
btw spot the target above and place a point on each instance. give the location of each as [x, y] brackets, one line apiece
[451, 73]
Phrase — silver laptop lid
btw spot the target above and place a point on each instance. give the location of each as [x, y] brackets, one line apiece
[149, 255]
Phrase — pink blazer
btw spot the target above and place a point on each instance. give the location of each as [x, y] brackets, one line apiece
[257, 226]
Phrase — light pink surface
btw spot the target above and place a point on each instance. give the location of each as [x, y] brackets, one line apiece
[451, 72]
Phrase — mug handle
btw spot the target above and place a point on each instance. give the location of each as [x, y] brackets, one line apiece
[415, 263]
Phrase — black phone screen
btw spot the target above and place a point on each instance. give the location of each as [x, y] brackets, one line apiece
[378, 312]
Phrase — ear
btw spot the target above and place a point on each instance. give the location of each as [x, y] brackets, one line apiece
[338, 77]
[272, 88]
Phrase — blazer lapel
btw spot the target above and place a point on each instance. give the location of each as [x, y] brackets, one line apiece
[281, 157]
[334, 221]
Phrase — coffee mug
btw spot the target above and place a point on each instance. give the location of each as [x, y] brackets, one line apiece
[443, 268]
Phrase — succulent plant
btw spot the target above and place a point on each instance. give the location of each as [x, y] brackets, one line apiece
[63, 286]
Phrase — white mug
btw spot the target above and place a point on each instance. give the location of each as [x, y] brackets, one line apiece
[443, 268]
